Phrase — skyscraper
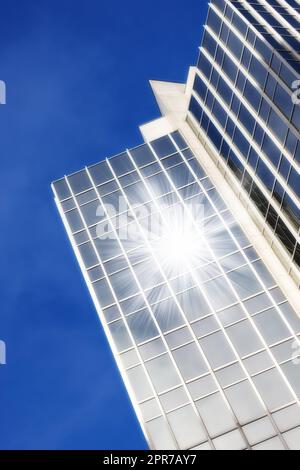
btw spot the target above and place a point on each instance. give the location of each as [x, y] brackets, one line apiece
[189, 243]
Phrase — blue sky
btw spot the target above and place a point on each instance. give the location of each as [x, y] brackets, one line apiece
[77, 88]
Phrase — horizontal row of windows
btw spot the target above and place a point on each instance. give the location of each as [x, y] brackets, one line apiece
[243, 336]
[104, 218]
[121, 165]
[261, 433]
[152, 174]
[190, 363]
[256, 304]
[124, 285]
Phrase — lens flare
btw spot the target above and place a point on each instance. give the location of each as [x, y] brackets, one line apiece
[179, 247]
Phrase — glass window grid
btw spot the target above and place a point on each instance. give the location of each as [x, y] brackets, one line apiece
[274, 193]
[255, 110]
[281, 160]
[280, 203]
[273, 26]
[255, 54]
[275, 227]
[246, 425]
[113, 221]
[227, 154]
[266, 32]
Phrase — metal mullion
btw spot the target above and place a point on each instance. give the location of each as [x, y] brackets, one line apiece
[108, 333]
[234, 292]
[150, 309]
[177, 303]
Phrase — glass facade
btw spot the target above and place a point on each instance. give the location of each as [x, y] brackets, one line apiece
[200, 330]
[243, 101]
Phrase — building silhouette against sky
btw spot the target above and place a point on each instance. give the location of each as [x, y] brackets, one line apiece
[189, 243]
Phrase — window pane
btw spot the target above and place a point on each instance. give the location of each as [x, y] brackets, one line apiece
[139, 383]
[120, 335]
[217, 350]
[62, 189]
[88, 254]
[271, 444]
[179, 337]
[193, 304]
[244, 338]
[272, 380]
[258, 362]
[160, 434]
[121, 164]
[74, 220]
[150, 409]
[92, 212]
[202, 387]
[142, 155]
[230, 375]
[100, 173]
[271, 326]
[190, 361]
[187, 427]
[292, 438]
[291, 316]
[129, 358]
[123, 284]
[291, 370]
[287, 418]
[219, 293]
[173, 399]
[142, 326]
[103, 293]
[167, 315]
[162, 373]
[230, 441]
[79, 182]
[244, 282]
[215, 414]
[259, 431]
[231, 315]
[244, 402]
[163, 146]
[152, 349]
